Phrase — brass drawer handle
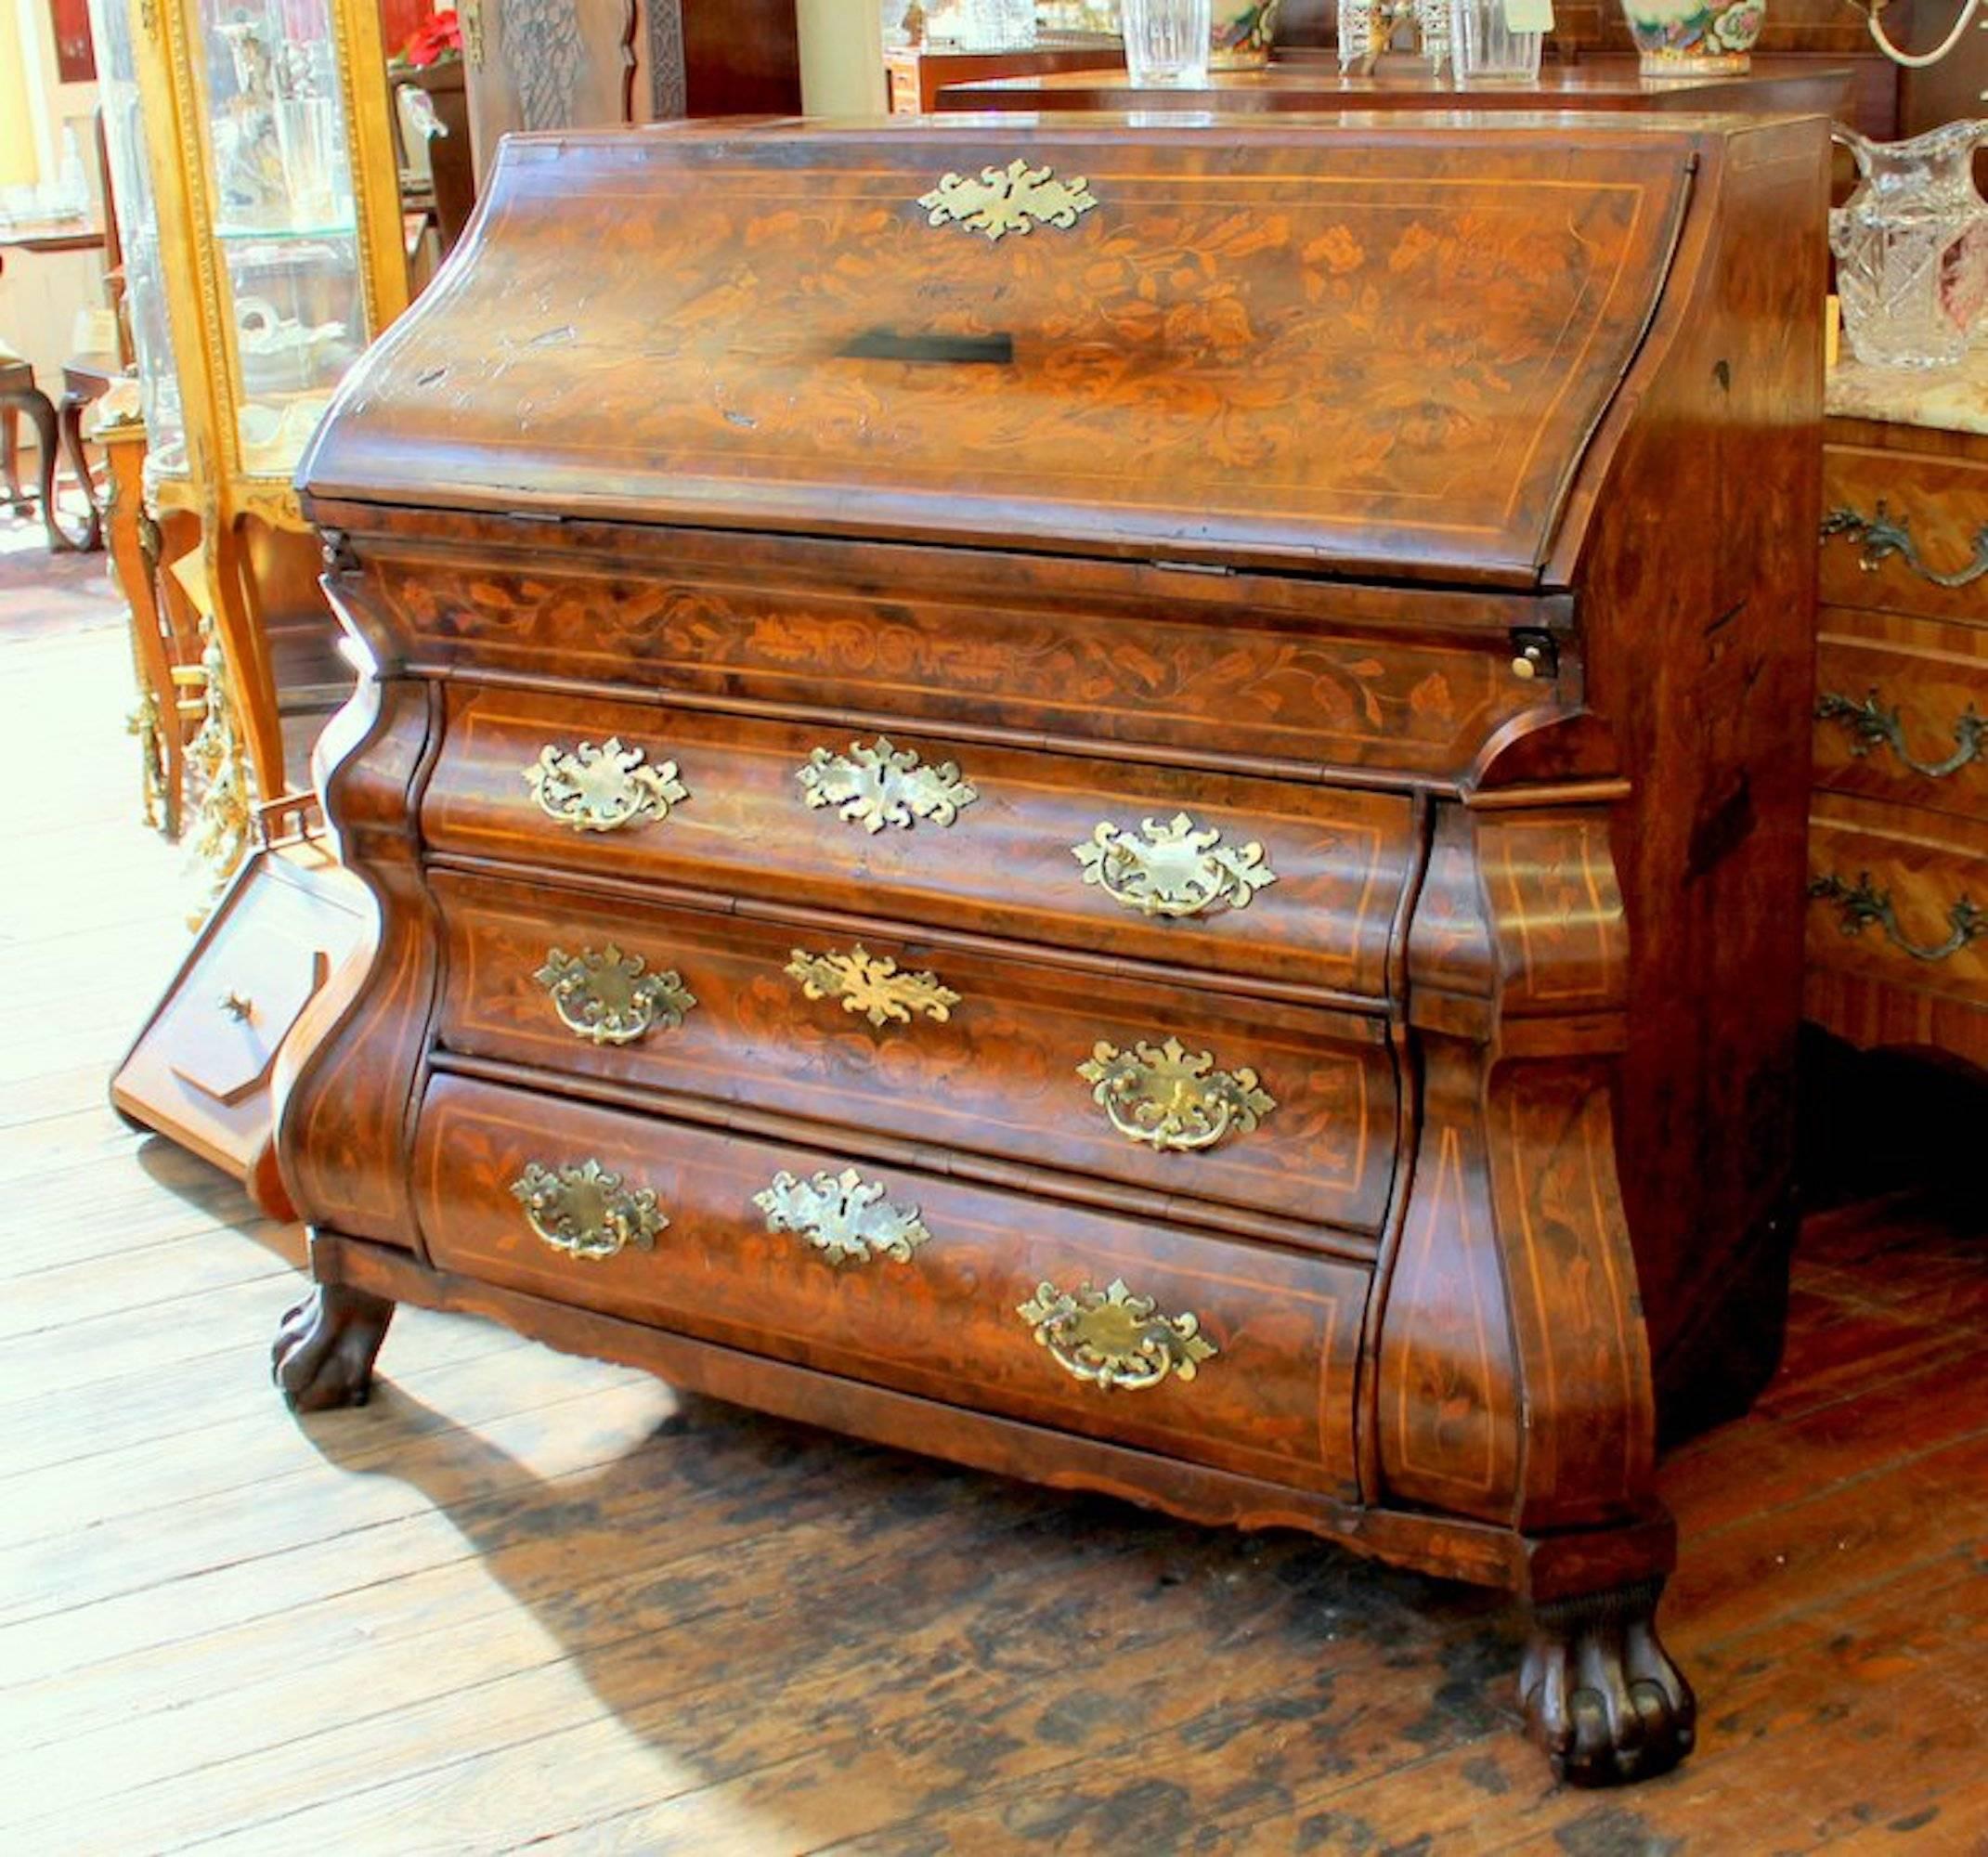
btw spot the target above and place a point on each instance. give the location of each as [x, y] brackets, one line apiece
[601, 790]
[586, 1210]
[1170, 1098]
[842, 1215]
[1112, 1338]
[872, 984]
[1176, 868]
[1015, 198]
[1883, 536]
[883, 785]
[608, 997]
[1862, 903]
[1872, 726]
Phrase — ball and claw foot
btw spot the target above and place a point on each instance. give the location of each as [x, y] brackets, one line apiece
[1599, 1692]
[325, 1347]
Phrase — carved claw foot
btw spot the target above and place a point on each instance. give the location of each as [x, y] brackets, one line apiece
[1599, 1692]
[324, 1350]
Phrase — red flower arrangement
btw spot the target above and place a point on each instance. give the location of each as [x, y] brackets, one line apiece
[441, 37]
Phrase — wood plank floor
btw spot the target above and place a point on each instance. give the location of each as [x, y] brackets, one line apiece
[521, 1599]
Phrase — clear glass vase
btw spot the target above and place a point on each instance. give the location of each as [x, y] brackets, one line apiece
[1484, 48]
[1911, 247]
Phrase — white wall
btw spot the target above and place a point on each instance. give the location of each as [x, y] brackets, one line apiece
[841, 57]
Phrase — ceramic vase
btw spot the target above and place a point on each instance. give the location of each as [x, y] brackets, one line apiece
[1239, 33]
[1693, 38]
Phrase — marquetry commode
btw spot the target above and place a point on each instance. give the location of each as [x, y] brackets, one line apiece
[1122, 803]
[1898, 916]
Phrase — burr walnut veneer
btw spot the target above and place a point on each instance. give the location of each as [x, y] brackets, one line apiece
[1122, 803]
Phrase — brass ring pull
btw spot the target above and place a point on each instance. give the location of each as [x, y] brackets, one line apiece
[586, 1210]
[1172, 1098]
[608, 998]
[1175, 868]
[842, 1215]
[603, 788]
[1862, 903]
[1872, 726]
[882, 786]
[1110, 1338]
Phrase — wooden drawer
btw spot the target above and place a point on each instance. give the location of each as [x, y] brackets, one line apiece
[1899, 895]
[1897, 523]
[1309, 1133]
[1309, 672]
[739, 824]
[1902, 710]
[1274, 1398]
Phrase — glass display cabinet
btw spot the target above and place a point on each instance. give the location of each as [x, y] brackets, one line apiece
[254, 165]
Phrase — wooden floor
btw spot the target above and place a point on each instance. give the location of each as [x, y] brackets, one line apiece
[524, 1599]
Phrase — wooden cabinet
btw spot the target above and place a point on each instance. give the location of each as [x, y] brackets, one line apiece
[561, 64]
[259, 211]
[1898, 836]
[1122, 803]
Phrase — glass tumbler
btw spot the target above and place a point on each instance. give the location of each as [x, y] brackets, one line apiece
[1485, 46]
[1166, 41]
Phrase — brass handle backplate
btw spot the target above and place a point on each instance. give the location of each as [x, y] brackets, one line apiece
[1872, 726]
[1883, 535]
[1173, 867]
[608, 997]
[586, 1210]
[1169, 1097]
[603, 788]
[842, 1215]
[1110, 1338]
[882, 786]
[1862, 903]
[871, 984]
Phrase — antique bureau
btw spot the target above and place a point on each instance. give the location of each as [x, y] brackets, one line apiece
[1124, 802]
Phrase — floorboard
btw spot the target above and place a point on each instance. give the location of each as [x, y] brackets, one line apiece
[527, 1602]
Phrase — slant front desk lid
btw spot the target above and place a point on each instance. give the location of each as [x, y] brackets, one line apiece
[1374, 346]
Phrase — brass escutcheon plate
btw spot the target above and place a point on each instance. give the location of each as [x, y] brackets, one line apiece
[872, 984]
[1016, 197]
[844, 1217]
[883, 785]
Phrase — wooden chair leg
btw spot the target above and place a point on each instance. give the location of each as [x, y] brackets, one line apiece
[10, 456]
[69, 419]
[40, 409]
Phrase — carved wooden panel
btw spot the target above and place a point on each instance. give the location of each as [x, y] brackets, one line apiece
[1274, 1399]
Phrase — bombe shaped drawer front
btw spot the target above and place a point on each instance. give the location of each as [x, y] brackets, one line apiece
[1226, 1354]
[1169, 865]
[1173, 1091]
